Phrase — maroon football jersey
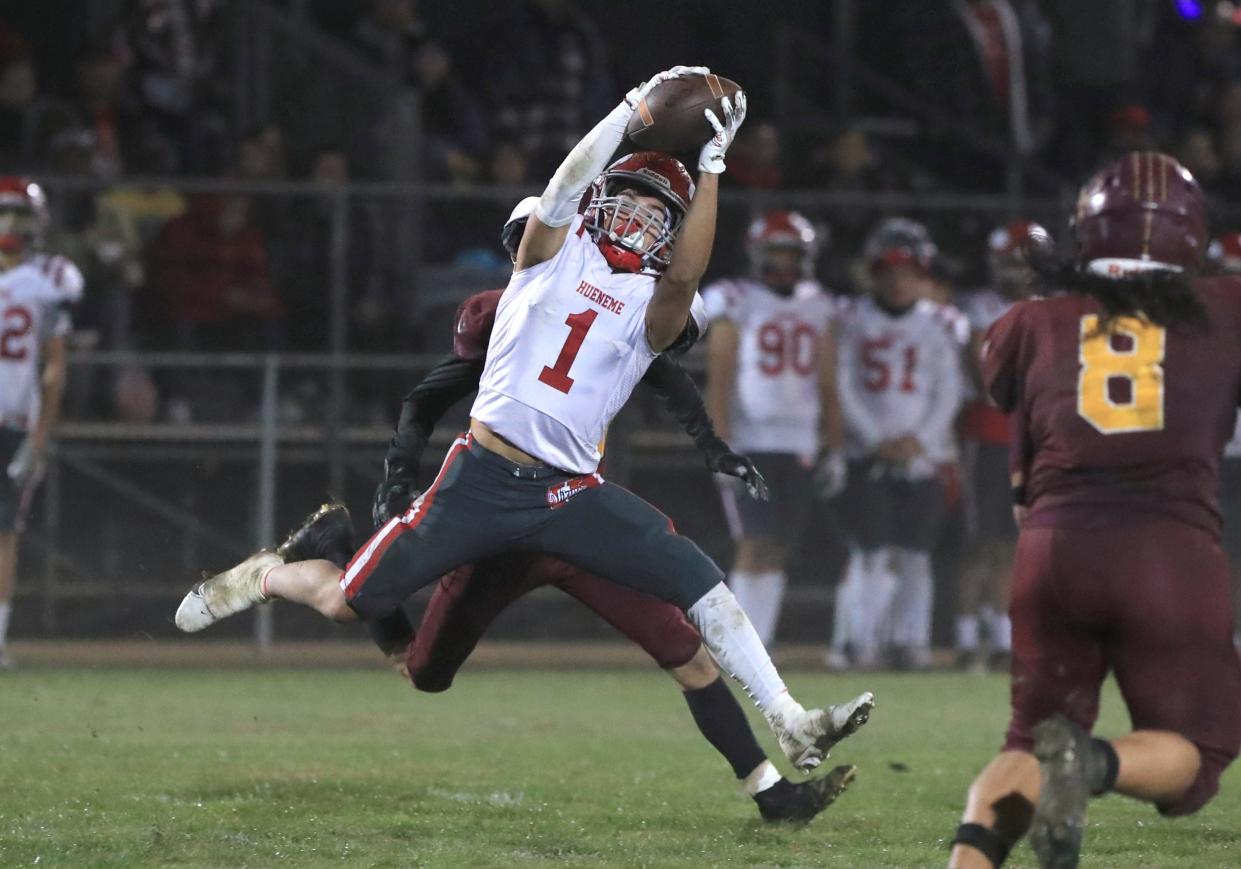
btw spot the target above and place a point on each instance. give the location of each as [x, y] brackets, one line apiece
[1121, 425]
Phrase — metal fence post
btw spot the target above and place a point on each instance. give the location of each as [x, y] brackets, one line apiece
[51, 536]
[265, 523]
[338, 337]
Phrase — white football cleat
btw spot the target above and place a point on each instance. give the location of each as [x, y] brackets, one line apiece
[807, 736]
[227, 593]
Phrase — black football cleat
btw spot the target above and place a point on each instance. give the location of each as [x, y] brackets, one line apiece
[1068, 762]
[326, 533]
[799, 802]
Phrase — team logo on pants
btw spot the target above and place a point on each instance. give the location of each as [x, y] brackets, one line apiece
[558, 496]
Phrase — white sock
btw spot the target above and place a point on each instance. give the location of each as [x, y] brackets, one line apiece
[877, 588]
[1000, 628]
[967, 633]
[912, 606]
[846, 602]
[5, 609]
[731, 640]
[760, 595]
[764, 776]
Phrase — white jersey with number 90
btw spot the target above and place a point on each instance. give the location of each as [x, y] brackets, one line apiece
[568, 346]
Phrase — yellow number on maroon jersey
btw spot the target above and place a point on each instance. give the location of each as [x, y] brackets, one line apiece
[1120, 386]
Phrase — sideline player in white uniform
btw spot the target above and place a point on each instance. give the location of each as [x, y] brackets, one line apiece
[1224, 256]
[593, 299]
[901, 383]
[982, 600]
[36, 290]
[771, 387]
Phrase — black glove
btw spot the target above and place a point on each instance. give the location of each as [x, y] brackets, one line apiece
[722, 460]
[392, 498]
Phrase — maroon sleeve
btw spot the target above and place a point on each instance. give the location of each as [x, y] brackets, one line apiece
[1000, 370]
[475, 318]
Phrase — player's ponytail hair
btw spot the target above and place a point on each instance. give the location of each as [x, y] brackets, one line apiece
[1164, 297]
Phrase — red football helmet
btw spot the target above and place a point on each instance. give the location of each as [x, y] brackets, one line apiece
[1142, 211]
[1225, 253]
[632, 236]
[23, 215]
[1009, 247]
[899, 240]
[781, 231]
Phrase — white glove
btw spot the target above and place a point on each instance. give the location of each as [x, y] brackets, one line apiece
[711, 158]
[639, 93]
[26, 468]
[830, 474]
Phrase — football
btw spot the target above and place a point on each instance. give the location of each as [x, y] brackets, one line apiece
[671, 118]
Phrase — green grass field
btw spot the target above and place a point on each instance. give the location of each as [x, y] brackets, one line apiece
[283, 767]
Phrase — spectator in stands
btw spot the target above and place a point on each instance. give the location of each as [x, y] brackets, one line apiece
[550, 82]
[1094, 74]
[211, 265]
[984, 64]
[176, 74]
[21, 107]
[1128, 130]
[509, 165]
[454, 123]
[1196, 151]
[389, 34]
[309, 258]
[756, 160]
[1228, 141]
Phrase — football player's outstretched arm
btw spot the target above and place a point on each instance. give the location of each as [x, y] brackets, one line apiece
[682, 398]
[674, 292]
[545, 233]
[451, 380]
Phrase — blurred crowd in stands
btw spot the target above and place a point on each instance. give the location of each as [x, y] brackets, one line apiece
[95, 94]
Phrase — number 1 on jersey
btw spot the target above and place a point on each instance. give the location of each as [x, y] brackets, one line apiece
[558, 377]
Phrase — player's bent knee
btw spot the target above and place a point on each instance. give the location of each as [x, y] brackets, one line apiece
[698, 672]
[1204, 788]
[333, 604]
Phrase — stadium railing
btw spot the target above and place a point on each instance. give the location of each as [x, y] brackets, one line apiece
[234, 447]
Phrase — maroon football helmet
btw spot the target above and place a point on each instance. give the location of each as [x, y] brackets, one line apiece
[632, 236]
[1142, 211]
[23, 215]
[781, 231]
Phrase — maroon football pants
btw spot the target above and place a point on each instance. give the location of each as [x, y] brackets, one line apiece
[1149, 602]
[467, 601]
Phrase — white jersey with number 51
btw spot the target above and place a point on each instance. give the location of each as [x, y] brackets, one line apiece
[34, 300]
[568, 346]
[775, 406]
[900, 374]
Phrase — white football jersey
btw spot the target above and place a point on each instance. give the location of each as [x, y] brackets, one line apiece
[568, 346]
[34, 301]
[900, 375]
[775, 402]
[983, 307]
